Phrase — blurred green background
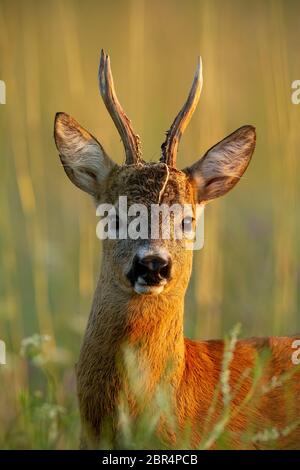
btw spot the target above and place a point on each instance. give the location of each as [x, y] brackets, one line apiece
[248, 270]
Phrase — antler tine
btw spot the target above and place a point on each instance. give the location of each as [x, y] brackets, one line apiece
[130, 140]
[173, 136]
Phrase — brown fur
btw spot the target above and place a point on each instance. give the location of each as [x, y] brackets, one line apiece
[153, 324]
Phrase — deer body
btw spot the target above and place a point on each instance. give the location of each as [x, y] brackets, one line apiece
[155, 327]
[139, 298]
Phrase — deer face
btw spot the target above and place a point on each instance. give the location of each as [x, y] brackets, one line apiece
[152, 263]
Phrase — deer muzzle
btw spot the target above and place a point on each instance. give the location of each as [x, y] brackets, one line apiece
[149, 274]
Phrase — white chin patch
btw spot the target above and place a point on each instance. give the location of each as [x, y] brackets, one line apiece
[144, 289]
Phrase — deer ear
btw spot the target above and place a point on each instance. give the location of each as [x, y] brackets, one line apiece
[223, 165]
[83, 158]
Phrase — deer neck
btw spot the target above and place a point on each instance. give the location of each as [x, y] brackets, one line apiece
[148, 328]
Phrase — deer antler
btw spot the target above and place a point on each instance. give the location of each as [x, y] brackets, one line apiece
[170, 145]
[130, 140]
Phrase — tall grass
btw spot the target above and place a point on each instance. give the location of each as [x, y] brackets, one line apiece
[249, 268]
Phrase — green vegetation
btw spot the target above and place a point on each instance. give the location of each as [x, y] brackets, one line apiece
[248, 271]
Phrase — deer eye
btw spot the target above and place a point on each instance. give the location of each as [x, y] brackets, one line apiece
[187, 224]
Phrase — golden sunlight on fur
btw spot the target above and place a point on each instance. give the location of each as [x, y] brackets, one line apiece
[149, 320]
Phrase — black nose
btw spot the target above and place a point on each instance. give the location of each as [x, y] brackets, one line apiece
[155, 265]
[152, 269]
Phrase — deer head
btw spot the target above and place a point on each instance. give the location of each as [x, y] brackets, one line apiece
[150, 266]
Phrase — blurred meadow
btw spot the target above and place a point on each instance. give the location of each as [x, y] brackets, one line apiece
[248, 271]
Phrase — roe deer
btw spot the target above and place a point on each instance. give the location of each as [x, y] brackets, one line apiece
[139, 298]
